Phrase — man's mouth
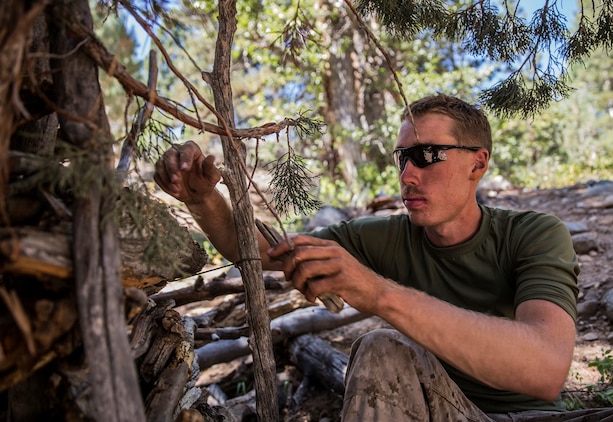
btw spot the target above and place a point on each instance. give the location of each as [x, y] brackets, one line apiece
[412, 201]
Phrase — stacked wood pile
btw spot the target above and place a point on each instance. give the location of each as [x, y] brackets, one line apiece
[38, 309]
[221, 335]
[84, 328]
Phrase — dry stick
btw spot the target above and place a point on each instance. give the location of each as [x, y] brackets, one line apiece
[265, 360]
[129, 144]
[15, 307]
[257, 312]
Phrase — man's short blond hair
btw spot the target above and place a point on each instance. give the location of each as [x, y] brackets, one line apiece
[471, 125]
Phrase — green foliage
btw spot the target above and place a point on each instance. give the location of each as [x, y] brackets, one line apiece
[604, 366]
[570, 142]
[334, 192]
[513, 96]
[156, 137]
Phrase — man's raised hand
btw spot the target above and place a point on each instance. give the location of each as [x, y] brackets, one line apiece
[186, 174]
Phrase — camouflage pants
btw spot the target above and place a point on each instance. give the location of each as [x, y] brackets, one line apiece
[391, 378]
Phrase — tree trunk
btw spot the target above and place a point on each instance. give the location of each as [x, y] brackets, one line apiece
[352, 93]
[250, 264]
[116, 394]
[342, 95]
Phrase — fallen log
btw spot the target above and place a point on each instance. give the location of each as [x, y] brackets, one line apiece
[232, 326]
[301, 321]
[319, 362]
[46, 254]
[216, 287]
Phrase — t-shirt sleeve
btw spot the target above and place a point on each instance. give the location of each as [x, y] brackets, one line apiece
[546, 265]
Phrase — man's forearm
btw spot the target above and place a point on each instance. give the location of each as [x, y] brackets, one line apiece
[529, 355]
[214, 216]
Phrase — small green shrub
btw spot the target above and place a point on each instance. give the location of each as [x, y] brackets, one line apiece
[595, 395]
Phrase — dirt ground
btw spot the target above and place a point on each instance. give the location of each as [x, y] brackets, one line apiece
[594, 329]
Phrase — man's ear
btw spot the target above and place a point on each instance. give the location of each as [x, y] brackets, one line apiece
[480, 164]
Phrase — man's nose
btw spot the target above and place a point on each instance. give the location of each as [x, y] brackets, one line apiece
[409, 174]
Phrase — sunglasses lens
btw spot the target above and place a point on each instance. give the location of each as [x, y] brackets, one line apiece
[420, 156]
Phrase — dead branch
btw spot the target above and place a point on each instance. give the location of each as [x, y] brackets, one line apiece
[98, 52]
[301, 321]
[129, 144]
[214, 288]
[233, 325]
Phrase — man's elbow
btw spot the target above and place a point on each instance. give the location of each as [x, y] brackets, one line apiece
[548, 388]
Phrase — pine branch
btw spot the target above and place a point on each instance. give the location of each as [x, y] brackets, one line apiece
[291, 183]
[513, 97]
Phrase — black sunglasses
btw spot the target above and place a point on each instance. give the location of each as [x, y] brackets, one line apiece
[424, 155]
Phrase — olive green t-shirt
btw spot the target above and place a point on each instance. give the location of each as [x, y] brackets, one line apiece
[515, 256]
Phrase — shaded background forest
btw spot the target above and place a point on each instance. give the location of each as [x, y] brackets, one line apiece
[311, 58]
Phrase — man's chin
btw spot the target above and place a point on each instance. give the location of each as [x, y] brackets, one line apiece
[418, 218]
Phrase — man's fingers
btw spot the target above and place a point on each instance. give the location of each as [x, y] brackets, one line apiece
[161, 176]
[306, 240]
[312, 278]
[209, 162]
[209, 169]
[300, 241]
[186, 159]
